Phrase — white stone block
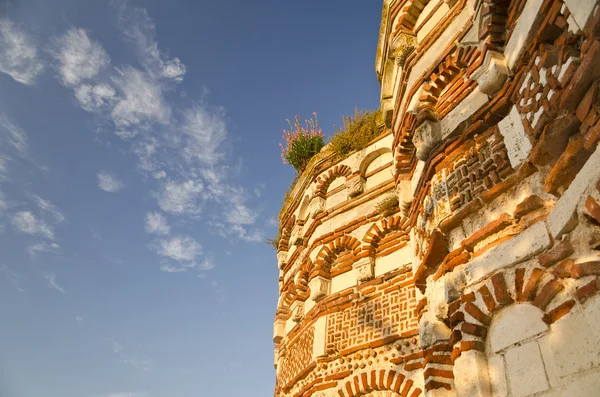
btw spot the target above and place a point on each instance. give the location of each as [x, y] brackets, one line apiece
[573, 344]
[320, 337]
[393, 261]
[426, 136]
[497, 376]
[525, 370]
[278, 330]
[416, 178]
[433, 21]
[562, 218]
[515, 324]
[472, 103]
[586, 385]
[471, 377]
[518, 249]
[492, 74]
[342, 282]
[319, 288]
[581, 10]
[364, 269]
[516, 140]
[522, 32]
[432, 330]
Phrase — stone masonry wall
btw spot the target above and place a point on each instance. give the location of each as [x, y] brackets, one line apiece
[484, 281]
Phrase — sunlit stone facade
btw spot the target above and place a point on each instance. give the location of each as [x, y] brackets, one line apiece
[483, 281]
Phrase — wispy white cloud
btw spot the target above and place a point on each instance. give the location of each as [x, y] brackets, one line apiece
[113, 259]
[26, 222]
[52, 283]
[128, 358]
[140, 102]
[108, 182]
[181, 197]
[136, 25]
[49, 208]
[3, 204]
[95, 97]
[43, 247]
[204, 132]
[3, 168]
[156, 223]
[180, 248]
[79, 58]
[18, 54]
[13, 137]
[13, 277]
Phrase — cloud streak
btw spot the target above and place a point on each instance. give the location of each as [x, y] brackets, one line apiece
[108, 182]
[26, 222]
[156, 223]
[53, 284]
[79, 58]
[137, 26]
[18, 55]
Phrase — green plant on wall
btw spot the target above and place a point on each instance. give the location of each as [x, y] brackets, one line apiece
[356, 133]
[301, 143]
[388, 205]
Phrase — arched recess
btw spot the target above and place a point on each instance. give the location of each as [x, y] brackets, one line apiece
[324, 181]
[385, 238]
[472, 315]
[443, 82]
[302, 215]
[326, 262]
[376, 168]
[376, 381]
[286, 234]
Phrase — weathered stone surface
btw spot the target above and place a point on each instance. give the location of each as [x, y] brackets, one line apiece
[568, 349]
[471, 375]
[319, 288]
[432, 330]
[515, 324]
[525, 370]
[581, 10]
[562, 218]
[517, 249]
[320, 337]
[427, 135]
[518, 143]
[522, 33]
[492, 74]
[497, 376]
[364, 269]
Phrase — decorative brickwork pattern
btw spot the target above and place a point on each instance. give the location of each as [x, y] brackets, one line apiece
[298, 356]
[379, 316]
[483, 163]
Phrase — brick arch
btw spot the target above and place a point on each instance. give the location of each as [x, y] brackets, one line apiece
[394, 228]
[286, 234]
[441, 78]
[324, 181]
[408, 16]
[328, 254]
[379, 380]
[538, 287]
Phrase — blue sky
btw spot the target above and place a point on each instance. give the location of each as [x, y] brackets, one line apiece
[139, 175]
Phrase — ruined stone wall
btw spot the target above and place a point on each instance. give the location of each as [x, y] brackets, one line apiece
[484, 280]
